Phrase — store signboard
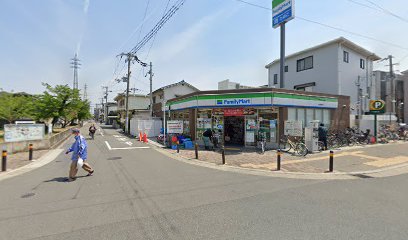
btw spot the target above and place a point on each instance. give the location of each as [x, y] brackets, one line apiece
[282, 11]
[293, 128]
[23, 132]
[175, 126]
[234, 101]
[228, 112]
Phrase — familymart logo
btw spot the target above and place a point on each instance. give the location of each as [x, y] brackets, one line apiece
[236, 101]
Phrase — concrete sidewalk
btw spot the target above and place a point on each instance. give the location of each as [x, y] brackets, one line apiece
[348, 159]
[20, 159]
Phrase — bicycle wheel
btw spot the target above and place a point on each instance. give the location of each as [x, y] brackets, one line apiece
[284, 146]
[301, 149]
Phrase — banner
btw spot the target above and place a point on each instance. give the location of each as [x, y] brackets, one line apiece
[175, 126]
[23, 132]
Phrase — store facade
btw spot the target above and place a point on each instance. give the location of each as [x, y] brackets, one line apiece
[240, 116]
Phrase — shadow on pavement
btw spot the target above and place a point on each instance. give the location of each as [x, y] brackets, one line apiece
[61, 179]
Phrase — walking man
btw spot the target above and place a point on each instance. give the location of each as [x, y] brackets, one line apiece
[323, 135]
[79, 150]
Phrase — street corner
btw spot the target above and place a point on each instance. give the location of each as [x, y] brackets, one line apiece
[347, 163]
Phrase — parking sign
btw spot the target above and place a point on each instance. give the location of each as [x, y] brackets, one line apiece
[377, 106]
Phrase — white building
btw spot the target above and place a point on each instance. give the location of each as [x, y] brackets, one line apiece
[335, 67]
[227, 85]
[138, 106]
[169, 92]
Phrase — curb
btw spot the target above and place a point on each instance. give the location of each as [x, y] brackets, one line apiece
[45, 159]
[378, 173]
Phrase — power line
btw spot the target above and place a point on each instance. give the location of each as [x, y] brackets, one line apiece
[332, 27]
[158, 26]
[378, 8]
[387, 11]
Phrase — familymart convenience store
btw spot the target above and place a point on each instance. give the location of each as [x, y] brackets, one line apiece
[239, 116]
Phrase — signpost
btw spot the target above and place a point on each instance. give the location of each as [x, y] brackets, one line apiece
[376, 107]
[282, 12]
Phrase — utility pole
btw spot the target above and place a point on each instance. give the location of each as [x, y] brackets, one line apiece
[130, 57]
[106, 102]
[75, 64]
[151, 89]
[102, 109]
[392, 84]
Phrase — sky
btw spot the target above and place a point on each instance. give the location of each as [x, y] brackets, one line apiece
[206, 41]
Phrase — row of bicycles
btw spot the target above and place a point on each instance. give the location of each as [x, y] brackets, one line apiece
[342, 138]
[354, 136]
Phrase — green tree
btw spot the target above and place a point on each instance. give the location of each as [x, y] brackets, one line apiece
[16, 106]
[61, 103]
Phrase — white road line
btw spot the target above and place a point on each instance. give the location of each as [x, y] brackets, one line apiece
[116, 136]
[122, 139]
[129, 143]
[107, 144]
[127, 148]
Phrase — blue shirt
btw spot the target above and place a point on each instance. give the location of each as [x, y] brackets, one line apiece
[79, 148]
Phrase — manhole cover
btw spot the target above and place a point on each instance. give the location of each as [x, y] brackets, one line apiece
[114, 158]
[27, 195]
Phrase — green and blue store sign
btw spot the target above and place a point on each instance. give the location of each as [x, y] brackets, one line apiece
[263, 99]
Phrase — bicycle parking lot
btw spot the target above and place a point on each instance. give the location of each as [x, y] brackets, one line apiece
[346, 159]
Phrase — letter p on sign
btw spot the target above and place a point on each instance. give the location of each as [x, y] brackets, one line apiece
[377, 106]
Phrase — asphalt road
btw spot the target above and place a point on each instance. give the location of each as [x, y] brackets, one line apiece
[139, 193]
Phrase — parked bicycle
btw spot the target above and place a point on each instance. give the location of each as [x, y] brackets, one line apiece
[286, 144]
[261, 142]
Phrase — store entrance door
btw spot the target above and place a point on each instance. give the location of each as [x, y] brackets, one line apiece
[234, 130]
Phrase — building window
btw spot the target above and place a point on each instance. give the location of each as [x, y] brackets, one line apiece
[305, 64]
[362, 63]
[154, 99]
[345, 56]
[286, 68]
[275, 79]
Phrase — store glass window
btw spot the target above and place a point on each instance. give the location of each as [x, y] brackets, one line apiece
[301, 115]
[292, 114]
[309, 116]
[326, 117]
[268, 124]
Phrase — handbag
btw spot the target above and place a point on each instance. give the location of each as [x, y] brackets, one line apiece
[80, 162]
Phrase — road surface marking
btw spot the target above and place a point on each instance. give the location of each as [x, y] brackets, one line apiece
[129, 143]
[117, 136]
[388, 161]
[107, 144]
[128, 148]
[124, 148]
[122, 139]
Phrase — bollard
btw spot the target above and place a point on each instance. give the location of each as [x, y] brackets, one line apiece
[331, 162]
[4, 161]
[223, 155]
[30, 151]
[196, 150]
[178, 147]
[278, 162]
